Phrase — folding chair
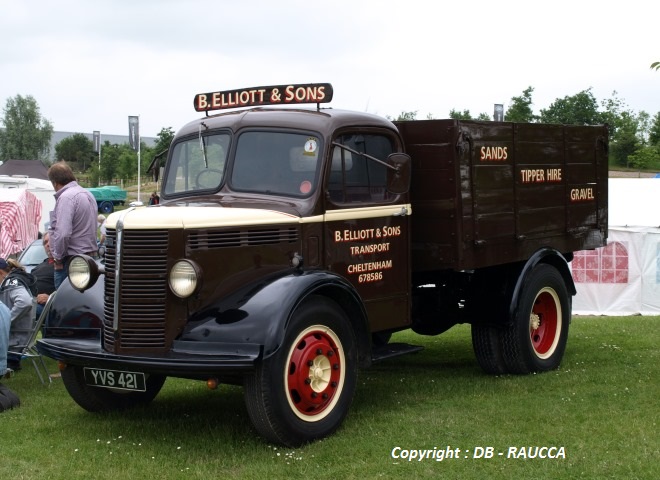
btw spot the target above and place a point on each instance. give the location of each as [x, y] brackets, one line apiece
[29, 350]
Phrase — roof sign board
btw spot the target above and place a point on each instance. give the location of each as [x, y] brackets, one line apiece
[258, 96]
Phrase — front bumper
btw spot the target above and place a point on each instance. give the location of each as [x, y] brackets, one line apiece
[185, 360]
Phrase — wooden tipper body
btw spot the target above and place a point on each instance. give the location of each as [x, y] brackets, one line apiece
[486, 193]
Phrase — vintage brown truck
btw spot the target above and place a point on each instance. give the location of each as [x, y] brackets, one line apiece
[290, 243]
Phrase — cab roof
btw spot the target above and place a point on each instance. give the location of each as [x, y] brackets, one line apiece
[324, 121]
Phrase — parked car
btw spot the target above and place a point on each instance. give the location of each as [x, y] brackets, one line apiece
[33, 255]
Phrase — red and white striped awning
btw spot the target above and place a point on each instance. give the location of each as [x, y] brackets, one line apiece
[20, 213]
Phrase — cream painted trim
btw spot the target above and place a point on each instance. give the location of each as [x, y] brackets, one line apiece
[209, 217]
[358, 213]
[197, 217]
[314, 219]
[368, 212]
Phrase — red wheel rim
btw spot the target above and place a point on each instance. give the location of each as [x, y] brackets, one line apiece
[545, 323]
[315, 373]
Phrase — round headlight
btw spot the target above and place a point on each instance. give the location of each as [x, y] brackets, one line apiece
[184, 278]
[80, 274]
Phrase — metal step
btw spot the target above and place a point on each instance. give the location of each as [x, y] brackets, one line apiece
[393, 350]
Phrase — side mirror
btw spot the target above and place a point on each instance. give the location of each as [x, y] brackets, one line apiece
[398, 176]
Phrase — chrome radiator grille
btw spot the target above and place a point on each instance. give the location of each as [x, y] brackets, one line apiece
[142, 290]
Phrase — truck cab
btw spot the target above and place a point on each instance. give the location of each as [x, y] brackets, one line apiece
[281, 233]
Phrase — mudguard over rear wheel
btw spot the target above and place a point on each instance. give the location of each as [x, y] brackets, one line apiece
[303, 392]
[99, 399]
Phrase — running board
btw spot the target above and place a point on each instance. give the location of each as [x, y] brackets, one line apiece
[393, 350]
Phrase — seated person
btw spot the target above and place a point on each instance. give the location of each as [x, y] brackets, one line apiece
[8, 399]
[5, 324]
[44, 272]
[102, 230]
[16, 293]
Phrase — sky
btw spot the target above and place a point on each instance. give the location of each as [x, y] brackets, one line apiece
[91, 64]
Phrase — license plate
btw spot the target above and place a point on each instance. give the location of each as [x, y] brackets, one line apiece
[98, 377]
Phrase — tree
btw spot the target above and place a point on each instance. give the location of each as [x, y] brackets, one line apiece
[520, 108]
[654, 130]
[613, 114]
[109, 161]
[27, 135]
[456, 115]
[77, 150]
[645, 157]
[127, 161]
[403, 116]
[655, 65]
[465, 115]
[624, 141]
[643, 126]
[165, 137]
[629, 131]
[579, 109]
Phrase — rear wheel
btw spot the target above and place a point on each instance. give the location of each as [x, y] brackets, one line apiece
[304, 391]
[537, 339]
[487, 349]
[100, 399]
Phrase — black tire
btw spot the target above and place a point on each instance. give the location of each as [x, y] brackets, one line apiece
[536, 340]
[106, 207]
[8, 399]
[487, 349]
[99, 399]
[303, 392]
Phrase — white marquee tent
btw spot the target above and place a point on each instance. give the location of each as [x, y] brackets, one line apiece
[624, 277]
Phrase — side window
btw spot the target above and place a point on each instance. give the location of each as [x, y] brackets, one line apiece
[355, 178]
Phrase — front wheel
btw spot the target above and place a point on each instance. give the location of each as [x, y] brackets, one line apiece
[536, 340]
[303, 392]
[100, 399]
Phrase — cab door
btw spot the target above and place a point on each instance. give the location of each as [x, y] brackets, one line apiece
[367, 228]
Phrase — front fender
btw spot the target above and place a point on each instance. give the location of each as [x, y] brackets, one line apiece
[74, 314]
[260, 313]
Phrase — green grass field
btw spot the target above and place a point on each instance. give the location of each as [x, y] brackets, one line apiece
[601, 408]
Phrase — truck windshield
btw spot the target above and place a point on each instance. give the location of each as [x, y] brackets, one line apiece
[278, 163]
[197, 164]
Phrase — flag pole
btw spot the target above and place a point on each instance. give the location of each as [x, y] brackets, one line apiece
[96, 137]
[138, 152]
[134, 141]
